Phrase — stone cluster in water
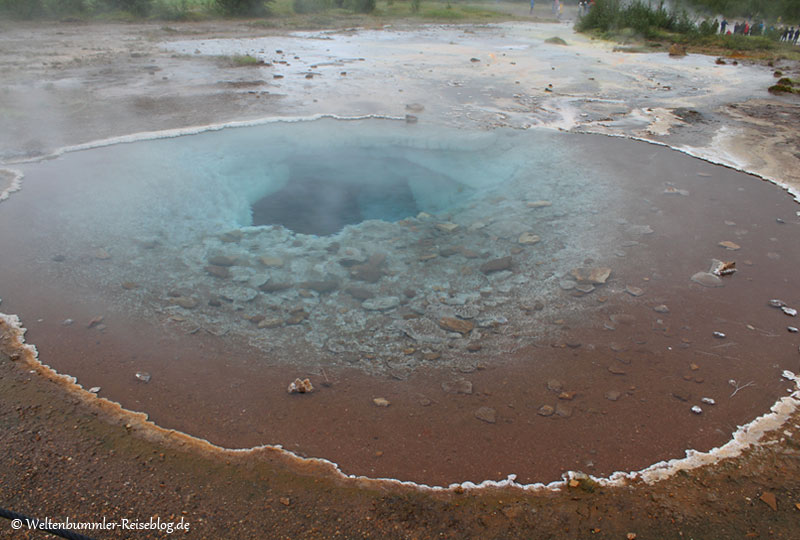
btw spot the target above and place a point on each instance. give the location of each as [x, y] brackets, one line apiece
[387, 297]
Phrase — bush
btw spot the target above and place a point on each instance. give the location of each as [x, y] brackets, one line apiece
[310, 6]
[612, 16]
[22, 9]
[242, 7]
[171, 10]
[136, 7]
[360, 6]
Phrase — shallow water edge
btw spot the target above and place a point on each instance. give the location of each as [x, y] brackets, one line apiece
[745, 437]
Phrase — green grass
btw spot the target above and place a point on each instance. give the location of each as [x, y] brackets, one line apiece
[245, 60]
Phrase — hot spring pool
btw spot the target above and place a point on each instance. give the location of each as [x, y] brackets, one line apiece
[527, 302]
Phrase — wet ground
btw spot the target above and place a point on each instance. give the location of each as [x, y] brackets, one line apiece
[577, 358]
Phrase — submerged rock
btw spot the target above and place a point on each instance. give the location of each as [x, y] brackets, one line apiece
[381, 304]
[486, 414]
[273, 286]
[634, 291]
[451, 324]
[186, 302]
[546, 410]
[727, 244]
[372, 270]
[222, 260]
[707, 279]
[322, 287]
[528, 238]
[271, 262]
[496, 265]
[359, 293]
[457, 386]
[595, 275]
[218, 271]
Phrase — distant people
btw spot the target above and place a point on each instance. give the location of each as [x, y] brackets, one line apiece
[796, 35]
[555, 7]
[723, 25]
[532, 3]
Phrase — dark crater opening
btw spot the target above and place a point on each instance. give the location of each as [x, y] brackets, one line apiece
[323, 206]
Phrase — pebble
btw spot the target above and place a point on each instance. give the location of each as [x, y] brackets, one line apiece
[546, 410]
[186, 302]
[102, 254]
[67, 322]
[447, 227]
[554, 385]
[539, 204]
[719, 335]
[595, 275]
[143, 376]
[381, 402]
[300, 387]
[634, 291]
[727, 244]
[708, 400]
[457, 386]
[776, 303]
[486, 414]
[706, 279]
[94, 389]
[381, 304]
[271, 322]
[681, 395]
[94, 322]
[612, 395]
[452, 324]
[496, 265]
[567, 396]
[528, 238]
[616, 371]
[563, 411]
[567, 284]
[661, 309]
[696, 409]
[792, 329]
[271, 262]
[789, 311]
[218, 271]
[222, 260]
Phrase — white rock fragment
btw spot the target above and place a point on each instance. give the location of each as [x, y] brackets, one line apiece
[697, 410]
[791, 312]
[300, 387]
[94, 389]
[792, 329]
[143, 376]
[719, 335]
[708, 400]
